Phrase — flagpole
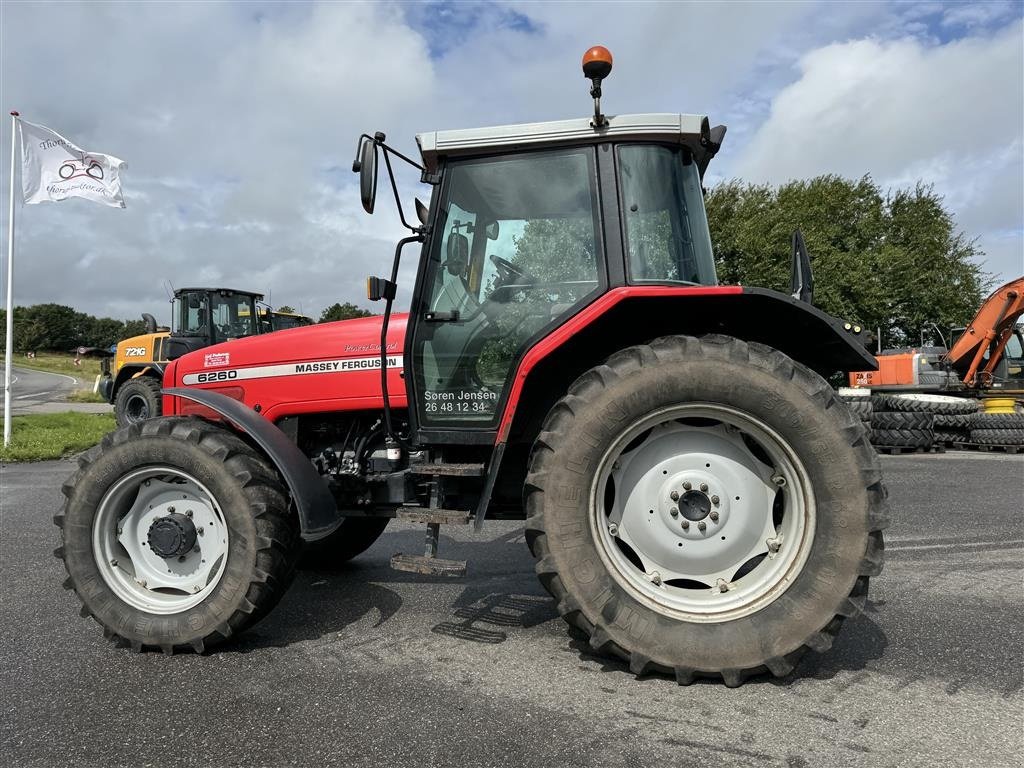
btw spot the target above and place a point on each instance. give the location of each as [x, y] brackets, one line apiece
[9, 350]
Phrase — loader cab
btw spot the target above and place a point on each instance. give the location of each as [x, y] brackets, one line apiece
[206, 316]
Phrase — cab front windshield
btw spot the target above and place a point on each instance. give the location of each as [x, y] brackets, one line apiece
[218, 316]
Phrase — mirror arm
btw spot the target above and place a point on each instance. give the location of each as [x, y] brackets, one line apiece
[394, 188]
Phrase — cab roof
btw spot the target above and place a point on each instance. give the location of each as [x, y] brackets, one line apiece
[692, 131]
[179, 291]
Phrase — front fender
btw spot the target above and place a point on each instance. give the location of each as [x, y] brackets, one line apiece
[318, 513]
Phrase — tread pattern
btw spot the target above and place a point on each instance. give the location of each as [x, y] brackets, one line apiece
[903, 438]
[860, 406]
[997, 436]
[955, 420]
[714, 346]
[902, 420]
[933, 404]
[997, 421]
[278, 541]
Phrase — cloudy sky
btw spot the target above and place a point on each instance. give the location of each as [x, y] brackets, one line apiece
[238, 121]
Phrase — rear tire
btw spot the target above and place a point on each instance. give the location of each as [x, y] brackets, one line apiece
[796, 422]
[137, 400]
[230, 497]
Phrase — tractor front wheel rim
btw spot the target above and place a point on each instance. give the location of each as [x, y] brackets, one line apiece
[160, 540]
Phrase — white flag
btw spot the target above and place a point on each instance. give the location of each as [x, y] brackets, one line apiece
[52, 168]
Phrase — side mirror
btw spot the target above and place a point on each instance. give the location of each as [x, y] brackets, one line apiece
[367, 167]
[492, 230]
[458, 254]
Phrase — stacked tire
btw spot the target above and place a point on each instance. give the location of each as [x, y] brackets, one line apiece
[919, 421]
[953, 428]
[996, 428]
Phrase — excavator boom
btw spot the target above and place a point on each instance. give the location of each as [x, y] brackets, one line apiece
[993, 325]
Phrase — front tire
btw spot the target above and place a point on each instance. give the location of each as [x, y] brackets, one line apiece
[765, 450]
[137, 400]
[176, 534]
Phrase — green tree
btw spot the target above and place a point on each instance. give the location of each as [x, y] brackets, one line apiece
[894, 261]
[285, 308]
[345, 311]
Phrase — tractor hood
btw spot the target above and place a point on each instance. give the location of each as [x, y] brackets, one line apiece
[317, 368]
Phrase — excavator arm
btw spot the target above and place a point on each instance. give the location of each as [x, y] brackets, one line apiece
[990, 329]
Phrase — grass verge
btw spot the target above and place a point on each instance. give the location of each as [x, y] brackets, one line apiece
[40, 436]
[85, 396]
[52, 362]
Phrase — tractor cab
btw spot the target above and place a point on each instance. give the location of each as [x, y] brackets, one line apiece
[206, 316]
[527, 226]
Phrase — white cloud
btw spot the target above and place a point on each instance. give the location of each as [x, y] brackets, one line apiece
[239, 121]
[906, 110]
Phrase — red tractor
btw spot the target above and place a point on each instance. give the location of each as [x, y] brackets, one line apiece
[698, 500]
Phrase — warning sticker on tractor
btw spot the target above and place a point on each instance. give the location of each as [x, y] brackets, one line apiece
[344, 365]
[216, 359]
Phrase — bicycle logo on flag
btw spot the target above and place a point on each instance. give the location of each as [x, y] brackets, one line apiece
[86, 166]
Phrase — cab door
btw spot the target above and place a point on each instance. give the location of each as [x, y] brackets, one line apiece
[518, 249]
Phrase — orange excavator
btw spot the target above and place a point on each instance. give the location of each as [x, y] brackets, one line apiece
[988, 355]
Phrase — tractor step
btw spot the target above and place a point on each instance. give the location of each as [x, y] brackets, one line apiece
[439, 516]
[448, 470]
[430, 566]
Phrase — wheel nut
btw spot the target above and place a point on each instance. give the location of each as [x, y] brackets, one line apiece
[114, 563]
[723, 585]
[613, 529]
[674, 512]
[170, 510]
[655, 578]
[715, 499]
[674, 496]
[704, 487]
[686, 525]
[779, 480]
[687, 485]
[702, 525]
[188, 513]
[713, 516]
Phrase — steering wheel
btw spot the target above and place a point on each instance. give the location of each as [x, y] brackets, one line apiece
[509, 272]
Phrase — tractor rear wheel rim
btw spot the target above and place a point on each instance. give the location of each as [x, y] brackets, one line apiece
[139, 519]
[702, 512]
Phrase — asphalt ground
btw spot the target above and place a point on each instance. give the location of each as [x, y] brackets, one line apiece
[43, 392]
[371, 667]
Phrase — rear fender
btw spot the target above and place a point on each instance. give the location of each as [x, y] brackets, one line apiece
[318, 513]
[638, 314]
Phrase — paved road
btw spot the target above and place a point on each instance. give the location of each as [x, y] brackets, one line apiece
[42, 392]
[369, 667]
